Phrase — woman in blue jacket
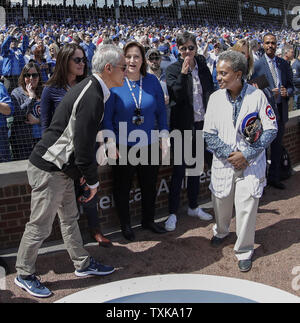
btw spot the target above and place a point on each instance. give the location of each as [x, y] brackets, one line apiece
[139, 105]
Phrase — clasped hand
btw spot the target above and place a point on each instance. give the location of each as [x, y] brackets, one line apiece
[237, 160]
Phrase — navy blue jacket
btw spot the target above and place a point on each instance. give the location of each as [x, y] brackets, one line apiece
[180, 89]
[261, 67]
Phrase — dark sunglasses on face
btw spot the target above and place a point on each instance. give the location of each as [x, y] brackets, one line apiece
[34, 75]
[184, 48]
[78, 60]
[155, 58]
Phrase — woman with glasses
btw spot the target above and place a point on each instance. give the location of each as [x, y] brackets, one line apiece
[70, 69]
[189, 84]
[139, 105]
[26, 128]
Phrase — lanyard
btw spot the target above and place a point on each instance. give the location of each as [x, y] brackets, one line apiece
[138, 105]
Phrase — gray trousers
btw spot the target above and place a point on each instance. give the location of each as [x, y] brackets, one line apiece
[52, 193]
[245, 208]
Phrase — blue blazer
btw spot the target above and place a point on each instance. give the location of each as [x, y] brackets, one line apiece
[286, 76]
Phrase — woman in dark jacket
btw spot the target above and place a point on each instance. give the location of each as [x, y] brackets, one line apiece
[189, 84]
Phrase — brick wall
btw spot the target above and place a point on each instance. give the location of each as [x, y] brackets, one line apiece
[15, 206]
[15, 198]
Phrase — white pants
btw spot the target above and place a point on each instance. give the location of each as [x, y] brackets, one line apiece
[245, 209]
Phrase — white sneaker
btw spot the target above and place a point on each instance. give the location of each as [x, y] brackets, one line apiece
[198, 212]
[170, 224]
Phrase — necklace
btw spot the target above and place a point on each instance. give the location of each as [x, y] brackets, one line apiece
[137, 104]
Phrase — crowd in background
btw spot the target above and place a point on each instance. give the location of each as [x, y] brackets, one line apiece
[39, 43]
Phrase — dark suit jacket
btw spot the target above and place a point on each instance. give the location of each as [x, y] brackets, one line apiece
[180, 88]
[286, 76]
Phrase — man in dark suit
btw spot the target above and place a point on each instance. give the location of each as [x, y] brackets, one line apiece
[280, 78]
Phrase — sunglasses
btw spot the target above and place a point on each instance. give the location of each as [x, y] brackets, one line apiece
[34, 75]
[184, 48]
[155, 58]
[123, 68]
[78, 60]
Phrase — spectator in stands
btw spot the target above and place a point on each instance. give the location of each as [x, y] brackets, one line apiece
[288, 53]
[146, 43]
[25, 128]
[13, 57]
[296, 82]
[212, 60]
[89, 49]
[190, 84]
[243, 46]
[53, 49]
[238, 167]
[166, 57]
[6, 110]
[254, 47]
[154, 60]
[140, 104]
[226, 41]
[280, 78]
[50, 170]
[71, 68]
[40, 60]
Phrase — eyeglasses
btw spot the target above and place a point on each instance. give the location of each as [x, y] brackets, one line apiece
[270, 43]
[78, 60]
[34, 75]
[122, 67]
[184, 48]
[155, 58]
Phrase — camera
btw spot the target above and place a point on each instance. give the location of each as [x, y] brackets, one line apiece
[138, 120]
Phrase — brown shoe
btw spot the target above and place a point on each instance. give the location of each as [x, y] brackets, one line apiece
[98, 236]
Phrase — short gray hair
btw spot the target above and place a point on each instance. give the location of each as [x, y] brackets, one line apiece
[237, 61]
[286, 48]
[106, 54]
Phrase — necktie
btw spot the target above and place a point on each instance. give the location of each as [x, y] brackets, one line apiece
[273, 72]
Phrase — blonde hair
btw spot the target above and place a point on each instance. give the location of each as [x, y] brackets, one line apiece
[56, 48]
[238, 47]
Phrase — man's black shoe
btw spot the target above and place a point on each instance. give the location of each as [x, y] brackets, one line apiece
[278, 185]
[216, 242]
[245, 265]
[128, 232]
[154, 227]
